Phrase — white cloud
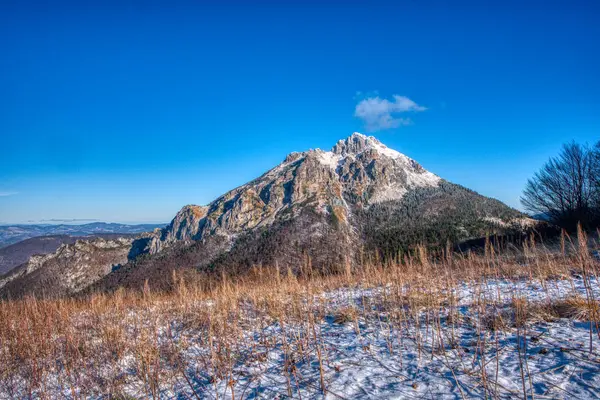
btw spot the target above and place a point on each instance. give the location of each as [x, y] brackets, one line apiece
[378, 114]
[4, 194]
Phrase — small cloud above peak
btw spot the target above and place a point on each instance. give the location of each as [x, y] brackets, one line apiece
[379, 114]
[8, 193]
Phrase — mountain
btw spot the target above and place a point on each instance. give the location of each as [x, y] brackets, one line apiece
[360, 187]
[71, 268]
[18, 253]
[10, 234]
[358, 171]
[323, 208]
[318, 209]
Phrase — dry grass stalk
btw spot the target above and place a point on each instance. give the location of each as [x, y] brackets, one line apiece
[197, 334]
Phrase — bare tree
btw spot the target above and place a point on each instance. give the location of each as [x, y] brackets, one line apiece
[566, 188]
[595, 174]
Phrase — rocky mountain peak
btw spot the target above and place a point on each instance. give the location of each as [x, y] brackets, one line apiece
[358, 171]
[354, 144]
[184, 227]
[293, 156]
[192, 210]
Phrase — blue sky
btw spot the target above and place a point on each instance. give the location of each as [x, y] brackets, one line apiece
[127, 111]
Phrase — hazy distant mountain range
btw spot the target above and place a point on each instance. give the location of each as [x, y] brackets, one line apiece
[326, 209]
[10, 234]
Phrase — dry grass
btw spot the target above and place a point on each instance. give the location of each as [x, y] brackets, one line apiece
[197, 337]
[577, 308]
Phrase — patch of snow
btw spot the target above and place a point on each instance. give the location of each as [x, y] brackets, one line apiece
[414, 178]
[329, 158]
[525, 222]
[386, 151]
[388, 193]
[422, 179]
[494, 220]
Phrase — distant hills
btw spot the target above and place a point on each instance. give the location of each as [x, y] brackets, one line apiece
[10, 234]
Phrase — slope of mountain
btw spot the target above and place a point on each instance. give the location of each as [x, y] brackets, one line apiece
[317, 209]
[10, 234]
[18, 253]
[71, 268]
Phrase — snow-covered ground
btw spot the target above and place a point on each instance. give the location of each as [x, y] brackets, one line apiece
[371, 359]
[356, 347]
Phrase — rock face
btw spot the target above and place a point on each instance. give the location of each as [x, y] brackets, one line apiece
[70, 269]
[358, 171]
[13, 255]
[184, 227]
[321, 209]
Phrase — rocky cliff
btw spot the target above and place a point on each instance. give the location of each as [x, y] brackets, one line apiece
[70, 269]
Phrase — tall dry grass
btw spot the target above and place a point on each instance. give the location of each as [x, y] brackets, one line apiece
[195, 338]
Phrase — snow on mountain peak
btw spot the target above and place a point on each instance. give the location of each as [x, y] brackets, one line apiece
[329, 158]
[358, 143]
[398, 172]
[361, 163]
